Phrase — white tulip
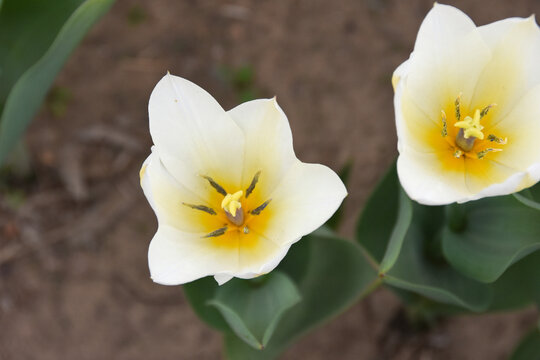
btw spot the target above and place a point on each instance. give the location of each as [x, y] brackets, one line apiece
[229, 193]
[467, 105]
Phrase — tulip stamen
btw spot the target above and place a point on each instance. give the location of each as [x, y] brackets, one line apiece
[217, 232]
[483, 153]
[457, 104]
[497, 140]
[444, 131]
[201, 207]
[254, 182]
[486, 110]
[258, 209]
[215, 185]
[458, 153]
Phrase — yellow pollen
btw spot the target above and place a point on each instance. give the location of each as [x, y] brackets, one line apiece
[230, 203]
[471, 126]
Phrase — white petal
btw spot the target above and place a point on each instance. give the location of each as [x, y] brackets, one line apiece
[401, 71]
[193, 135]
[424, 181]
[268, 142]
[171, 201]
[307, 196]
[177, 257]
[513, 69]
[222, 278]
[256, 270]
[449, 56]
[522, 127]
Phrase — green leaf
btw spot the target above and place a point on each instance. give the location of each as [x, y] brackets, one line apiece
[529, 348]
[36, 38]
[419, 266]
[519, 286]
[415, 270]
[378, 218]
[496, 233]
[344, 174]
[530, 197]
[399, 232]
[253, 308]
[330, 274]
[199, 293]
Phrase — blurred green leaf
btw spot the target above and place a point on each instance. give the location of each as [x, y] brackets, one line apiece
[405, 213]
[326, 289]
[497, 232]
[199, 293]
[519, 286]
[378, 218]
[418, 267]
[529, 348]
[530, 197]
[36, 38]
[253, 308]
[344, 174]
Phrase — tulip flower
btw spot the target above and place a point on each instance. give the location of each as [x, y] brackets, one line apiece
[467, 107]
[229, 193]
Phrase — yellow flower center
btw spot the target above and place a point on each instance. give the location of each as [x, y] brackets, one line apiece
[233, 214]
[471, 126]
[470, 141]
[230, 202]
[233, 208]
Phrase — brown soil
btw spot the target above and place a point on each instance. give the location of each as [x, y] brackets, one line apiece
[74, 282]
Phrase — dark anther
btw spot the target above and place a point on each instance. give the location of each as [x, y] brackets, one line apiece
[254, 182]
[201, 207]
[260, 208]
[216, 233]
[215, 185]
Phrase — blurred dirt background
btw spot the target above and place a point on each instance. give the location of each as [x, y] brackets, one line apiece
[74, 282]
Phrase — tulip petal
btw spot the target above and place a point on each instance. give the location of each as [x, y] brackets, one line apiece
[176, 257]
[307, 196]
[173, 203]
[424, 181]
[513, 69]
[522, 127]
[448, 57]
[268, 141]
[193, 135]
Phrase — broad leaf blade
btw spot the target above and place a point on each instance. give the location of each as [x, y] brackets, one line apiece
[325, 287]
[519, 286]
[498, 232]
[378, 218]
[199, 293]
[417, 267]
[27, 30]
[253, 308]
[530, 197]
[424, 273]
[405, 214]
[30, 88]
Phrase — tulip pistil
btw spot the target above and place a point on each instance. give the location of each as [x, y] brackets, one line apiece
[236, 218]
[470, 131]
[233, 208]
